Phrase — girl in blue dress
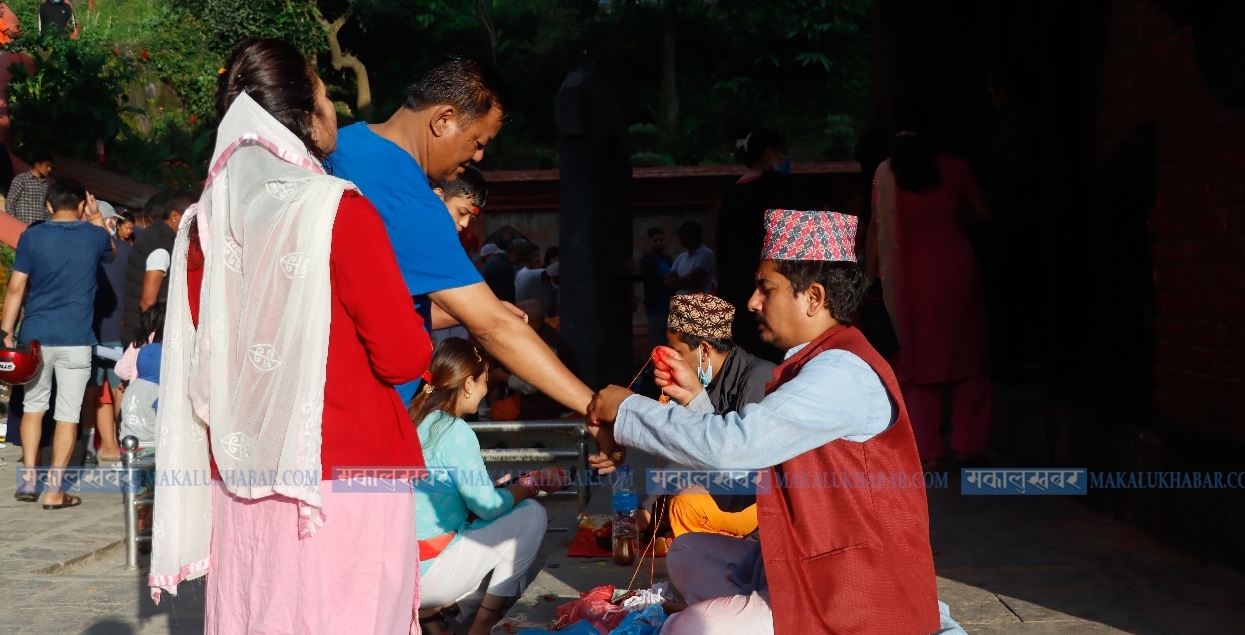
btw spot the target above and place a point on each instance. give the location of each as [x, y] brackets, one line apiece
[476, 541]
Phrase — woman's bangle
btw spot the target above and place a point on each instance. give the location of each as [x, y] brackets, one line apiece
[529, 484]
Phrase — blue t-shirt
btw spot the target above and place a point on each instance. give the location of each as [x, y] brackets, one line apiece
[420, 228]
[62, 259]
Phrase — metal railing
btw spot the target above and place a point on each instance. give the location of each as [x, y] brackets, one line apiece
[135, 498]
[579, 452]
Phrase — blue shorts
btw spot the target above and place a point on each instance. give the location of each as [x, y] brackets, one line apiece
[104, 368]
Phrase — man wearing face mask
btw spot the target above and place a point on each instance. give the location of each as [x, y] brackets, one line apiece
[699, 328]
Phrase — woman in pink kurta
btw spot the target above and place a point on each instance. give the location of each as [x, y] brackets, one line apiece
[933, 293]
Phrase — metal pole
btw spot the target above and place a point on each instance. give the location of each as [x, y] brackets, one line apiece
[584, 477]
[128, 445]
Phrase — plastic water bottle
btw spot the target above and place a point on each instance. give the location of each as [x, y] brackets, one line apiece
[626, 531]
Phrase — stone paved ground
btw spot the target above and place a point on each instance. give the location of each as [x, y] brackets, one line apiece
[63, 571]
[1006, 565]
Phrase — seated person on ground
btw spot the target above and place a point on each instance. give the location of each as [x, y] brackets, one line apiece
[527, 402]
[699, 328]
[138, 406]
[836, 559]
[476, 541]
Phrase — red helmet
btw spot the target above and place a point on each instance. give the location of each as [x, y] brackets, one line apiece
[21, 364]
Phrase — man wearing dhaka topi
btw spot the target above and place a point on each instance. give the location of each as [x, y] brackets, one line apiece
[833, 559]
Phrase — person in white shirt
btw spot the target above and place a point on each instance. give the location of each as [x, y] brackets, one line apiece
[527, 282]
[692, 271]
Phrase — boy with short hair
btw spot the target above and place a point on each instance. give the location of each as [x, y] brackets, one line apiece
[57, 261]
[463, 197]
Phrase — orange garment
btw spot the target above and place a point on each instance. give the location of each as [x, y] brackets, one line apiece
[692, 513]
[505, 409]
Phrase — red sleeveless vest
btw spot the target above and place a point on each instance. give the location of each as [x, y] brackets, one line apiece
[849, 555]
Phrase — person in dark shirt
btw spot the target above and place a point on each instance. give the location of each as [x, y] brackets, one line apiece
[146, 279]
[741, 230]
[6, 168]
[499, 272]
[654, 265]
[102, 400]
[58, 15]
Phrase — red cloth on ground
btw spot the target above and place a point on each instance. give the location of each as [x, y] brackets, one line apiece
[376, 341]
[942, 310]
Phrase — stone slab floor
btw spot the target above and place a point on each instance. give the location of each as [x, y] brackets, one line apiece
[1006, 565]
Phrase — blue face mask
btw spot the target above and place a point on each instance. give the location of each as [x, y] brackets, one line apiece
[784, 167]
[705, 376]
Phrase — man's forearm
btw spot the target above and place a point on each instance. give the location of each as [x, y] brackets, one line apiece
[522, 351]
[12, 305]
[152, 281]
[441, 319]
[508, 338]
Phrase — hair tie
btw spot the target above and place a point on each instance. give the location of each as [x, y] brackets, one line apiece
[428, 389]
[477, 352]
[427, 376]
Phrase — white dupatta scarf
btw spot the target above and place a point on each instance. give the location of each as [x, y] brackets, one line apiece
[253, 373]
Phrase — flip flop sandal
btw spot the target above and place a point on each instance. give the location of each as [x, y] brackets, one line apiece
[437, 618]
[69, 501]
[26, 497]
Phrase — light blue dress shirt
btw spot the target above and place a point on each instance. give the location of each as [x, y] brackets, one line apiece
[835, 396]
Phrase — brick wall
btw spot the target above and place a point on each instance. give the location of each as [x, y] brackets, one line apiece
[1197, 226]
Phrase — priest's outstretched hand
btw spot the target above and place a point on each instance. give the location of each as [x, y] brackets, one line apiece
[674, 375]
[602, 411]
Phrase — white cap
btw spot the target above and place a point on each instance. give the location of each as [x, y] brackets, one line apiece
[490, 249]
[106, 210]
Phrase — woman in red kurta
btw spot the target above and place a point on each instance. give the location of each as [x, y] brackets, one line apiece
[934, 293]
[283, 561]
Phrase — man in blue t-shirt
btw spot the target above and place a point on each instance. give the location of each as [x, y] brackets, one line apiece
[57, 262]
[450, 113]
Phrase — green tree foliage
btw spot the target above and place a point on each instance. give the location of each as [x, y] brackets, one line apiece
[75, 96]
[800, 66]
[189, 41]
[797, 65]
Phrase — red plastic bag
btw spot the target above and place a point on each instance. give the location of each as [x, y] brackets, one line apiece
[593, 606]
